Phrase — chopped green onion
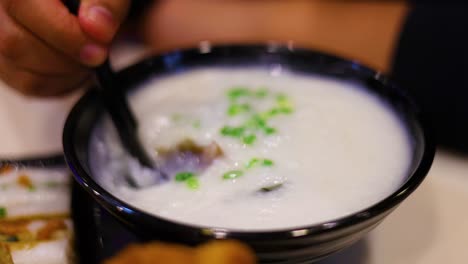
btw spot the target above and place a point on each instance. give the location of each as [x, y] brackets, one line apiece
[183, 176]
[256, 121]
[281, 97]
[237, 92]
[270, 113]
[3, 212]
[232, 174]
[286, 109]
[232, 131]
[269, 130]
[256, 161]
[32, 188]
[249, 139]
[284, 105]
[192, 183]
[261, 93]
[253, 162]
[238, 109]
[271, 187]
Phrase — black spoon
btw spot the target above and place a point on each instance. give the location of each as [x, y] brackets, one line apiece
[117, 106]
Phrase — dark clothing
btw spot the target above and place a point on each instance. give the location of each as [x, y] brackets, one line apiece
[432, 63]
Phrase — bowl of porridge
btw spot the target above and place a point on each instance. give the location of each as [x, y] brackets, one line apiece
[294, 152]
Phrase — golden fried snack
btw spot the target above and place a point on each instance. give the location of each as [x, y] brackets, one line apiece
[154, 252]
[5, 257]
[216, 252]
[224, 252]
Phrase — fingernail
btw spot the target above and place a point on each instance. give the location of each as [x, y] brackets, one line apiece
[92, 54]
[100, 15]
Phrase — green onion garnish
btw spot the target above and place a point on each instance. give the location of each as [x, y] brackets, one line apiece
[253, 162]
[249, 139]
[284, 105]
[261, 93]
[236, 109]
[3, 212]
[255, 122]
[232, 174]
[183, 176]
[269, 130]
[256, 161]
[232, 131]
[237, 92]
[189, 178]
[192, 183]
[286, 109]
[267, 163]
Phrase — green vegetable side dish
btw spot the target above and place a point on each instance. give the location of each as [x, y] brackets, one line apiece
[3, 212]
[189, 178]
[254, 122]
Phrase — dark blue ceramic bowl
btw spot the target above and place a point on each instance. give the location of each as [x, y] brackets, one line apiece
[297, 245]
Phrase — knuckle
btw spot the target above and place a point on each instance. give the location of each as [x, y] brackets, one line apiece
[10, 45]
[119, 8]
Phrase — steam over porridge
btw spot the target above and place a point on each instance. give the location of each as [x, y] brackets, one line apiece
[251, 150]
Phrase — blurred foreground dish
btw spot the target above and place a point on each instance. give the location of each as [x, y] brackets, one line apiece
[35, 224]
[217, 252]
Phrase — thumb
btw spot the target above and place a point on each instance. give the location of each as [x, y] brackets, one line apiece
[100, 19]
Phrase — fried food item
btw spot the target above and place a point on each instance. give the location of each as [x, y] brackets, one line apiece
[154, 253]
[52, 226]
[5, 257]
[216, 252]
[224, 252]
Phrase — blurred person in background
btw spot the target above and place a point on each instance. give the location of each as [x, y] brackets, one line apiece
[46, 51]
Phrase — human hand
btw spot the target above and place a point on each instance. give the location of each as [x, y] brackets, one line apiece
[47, 51]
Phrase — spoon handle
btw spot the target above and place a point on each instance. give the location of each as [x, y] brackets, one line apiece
[116, 104]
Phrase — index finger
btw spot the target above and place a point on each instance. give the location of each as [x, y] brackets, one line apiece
[51, 21]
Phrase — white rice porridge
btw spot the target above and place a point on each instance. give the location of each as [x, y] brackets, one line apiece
[287, 150]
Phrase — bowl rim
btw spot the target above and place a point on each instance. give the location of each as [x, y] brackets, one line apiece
[105, 198]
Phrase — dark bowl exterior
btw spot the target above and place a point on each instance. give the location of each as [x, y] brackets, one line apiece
[299, 245]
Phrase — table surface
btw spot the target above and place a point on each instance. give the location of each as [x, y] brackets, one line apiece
[431, 226]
